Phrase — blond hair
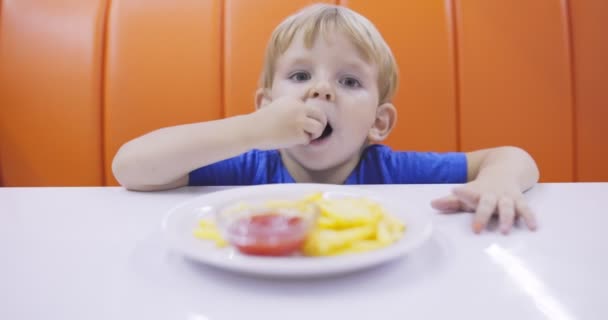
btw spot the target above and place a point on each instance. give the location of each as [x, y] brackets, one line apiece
[321, 18]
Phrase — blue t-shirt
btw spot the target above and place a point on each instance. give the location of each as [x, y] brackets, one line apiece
[378, 165]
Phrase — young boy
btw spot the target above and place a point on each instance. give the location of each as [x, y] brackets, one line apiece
[324, 102]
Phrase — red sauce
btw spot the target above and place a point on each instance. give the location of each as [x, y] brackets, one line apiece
[268, 234]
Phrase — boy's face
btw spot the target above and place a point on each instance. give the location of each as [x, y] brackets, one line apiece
[334, 76]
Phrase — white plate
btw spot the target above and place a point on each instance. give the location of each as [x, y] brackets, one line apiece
[180, 222]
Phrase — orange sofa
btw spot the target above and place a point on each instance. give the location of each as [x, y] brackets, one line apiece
[78, 78]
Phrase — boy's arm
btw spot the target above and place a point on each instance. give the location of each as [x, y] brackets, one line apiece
[503, 163]
[162, 159]
[497, 179]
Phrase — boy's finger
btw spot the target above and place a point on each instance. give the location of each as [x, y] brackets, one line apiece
[485, 210]
[447, 204]
[314, 112]
[314, 128]
[526, 213]
[469, 197]
[506, 214]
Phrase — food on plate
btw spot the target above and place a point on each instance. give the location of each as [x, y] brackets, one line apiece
[351, 225]
[208, 230]
[311, 226]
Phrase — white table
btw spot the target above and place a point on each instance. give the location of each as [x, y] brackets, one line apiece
[97, 253]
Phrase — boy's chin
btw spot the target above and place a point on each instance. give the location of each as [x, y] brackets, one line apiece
[312, 161]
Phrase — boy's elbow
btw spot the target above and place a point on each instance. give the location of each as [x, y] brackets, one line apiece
[120, 168]
[127, 173]
[124, 169]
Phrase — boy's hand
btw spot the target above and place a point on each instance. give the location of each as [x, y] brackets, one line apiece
[486, 198]
[286, 122]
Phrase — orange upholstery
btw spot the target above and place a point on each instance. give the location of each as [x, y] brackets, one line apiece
[589, 22]
[78, 78]
[514, 74]
[50, 92]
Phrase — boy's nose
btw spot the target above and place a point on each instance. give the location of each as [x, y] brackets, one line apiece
[326, 96]
[321, 92]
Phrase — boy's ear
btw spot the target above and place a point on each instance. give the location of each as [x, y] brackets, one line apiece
[262, 98]
[386, 117]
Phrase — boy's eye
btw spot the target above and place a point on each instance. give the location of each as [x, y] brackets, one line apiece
[300, 76]
[350, 82]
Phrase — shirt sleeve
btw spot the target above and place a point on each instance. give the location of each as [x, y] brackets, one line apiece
[429, 167]
[239, 170]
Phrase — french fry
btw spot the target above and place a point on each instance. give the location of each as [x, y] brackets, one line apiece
[207, 230]
[326, 241]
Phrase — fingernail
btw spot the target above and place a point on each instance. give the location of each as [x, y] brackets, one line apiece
[477, 227]
[504, 229]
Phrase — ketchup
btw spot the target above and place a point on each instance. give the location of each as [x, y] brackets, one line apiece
[268, 234]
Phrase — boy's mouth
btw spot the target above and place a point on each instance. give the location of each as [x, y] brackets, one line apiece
[326, 133]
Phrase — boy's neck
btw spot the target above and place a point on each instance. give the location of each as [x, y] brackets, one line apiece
[335, 175]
